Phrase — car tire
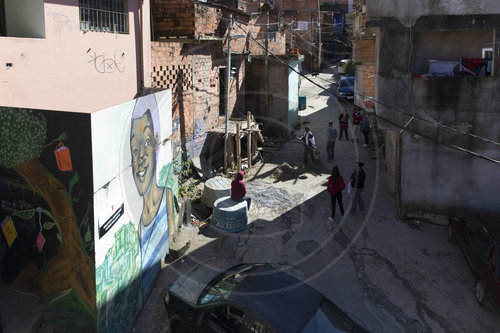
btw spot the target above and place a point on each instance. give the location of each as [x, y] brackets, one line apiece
[451, 234]
[177, 325]
[480, 293]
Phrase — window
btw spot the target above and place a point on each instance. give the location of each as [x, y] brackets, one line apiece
[2, 18]
[22, 18]
[104, 15]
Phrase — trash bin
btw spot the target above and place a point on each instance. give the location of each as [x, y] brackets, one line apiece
[302, 102]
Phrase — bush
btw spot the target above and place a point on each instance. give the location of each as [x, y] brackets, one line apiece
[187, 185]
[349, 68]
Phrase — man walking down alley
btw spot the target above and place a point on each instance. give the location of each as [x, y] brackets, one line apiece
[330, 144]
[309, 144]
[358, 183]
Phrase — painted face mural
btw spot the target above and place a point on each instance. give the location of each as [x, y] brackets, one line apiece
[134, 188]
[156, 200]
[143, 146]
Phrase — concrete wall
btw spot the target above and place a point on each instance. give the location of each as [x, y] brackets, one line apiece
[393, 160]
[434, 177]
[407, 12]
[133, 169]
[400, 54]
[69, 69]
[277, 120]
[293, 94]
[443, 45]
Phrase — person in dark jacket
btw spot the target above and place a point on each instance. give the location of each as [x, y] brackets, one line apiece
[330, 144]
[335, 186]
[356, 124]
[344, 124]
[358, 183]
[239, 190]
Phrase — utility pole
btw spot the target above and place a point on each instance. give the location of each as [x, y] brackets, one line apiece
[311, 42]
[228, 87]
[319, 37]
[267, 62]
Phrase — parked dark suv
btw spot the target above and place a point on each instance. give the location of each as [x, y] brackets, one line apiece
[478, 235]
[251, 298]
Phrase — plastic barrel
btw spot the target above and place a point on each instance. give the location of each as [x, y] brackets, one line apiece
[302, 102]
[215, 188]
[229, 215]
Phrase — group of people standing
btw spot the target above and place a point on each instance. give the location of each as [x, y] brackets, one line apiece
[360, 123]
[336, 183]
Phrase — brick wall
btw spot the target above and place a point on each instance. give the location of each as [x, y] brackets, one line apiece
[172, 18]
[367, 59]
[192, 72]
[257, 27]
[367, 51]
[178, 18]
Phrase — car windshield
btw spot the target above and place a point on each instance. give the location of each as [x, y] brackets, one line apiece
[220, 289]
[349, 82]
[328, 318]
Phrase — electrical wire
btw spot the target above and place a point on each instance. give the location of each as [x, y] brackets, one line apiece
[220, 16]
[452, 146]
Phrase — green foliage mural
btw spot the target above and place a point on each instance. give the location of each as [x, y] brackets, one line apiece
[118, 278]
[61, 269]
[23, 133]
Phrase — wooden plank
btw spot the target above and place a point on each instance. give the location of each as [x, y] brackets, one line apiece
[238, 147]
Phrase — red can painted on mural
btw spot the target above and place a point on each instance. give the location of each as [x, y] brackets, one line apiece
[63, 158]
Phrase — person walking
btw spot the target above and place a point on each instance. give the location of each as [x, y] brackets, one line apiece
[309, 144]
[365, 128]
[356, 124]
[330, 144]
[344, 124]
[335, 186]
[357, 181]
[239, 190]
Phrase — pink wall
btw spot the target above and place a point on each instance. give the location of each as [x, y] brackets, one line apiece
[65, 70]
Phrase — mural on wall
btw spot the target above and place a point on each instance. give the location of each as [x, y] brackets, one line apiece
[45, 212]
[157, 201]
[135, 191]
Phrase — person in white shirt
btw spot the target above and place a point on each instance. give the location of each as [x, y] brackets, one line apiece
[309, 144]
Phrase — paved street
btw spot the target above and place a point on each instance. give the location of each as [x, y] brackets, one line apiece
[390, 274]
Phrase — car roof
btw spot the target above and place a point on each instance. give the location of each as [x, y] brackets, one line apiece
[278, 297]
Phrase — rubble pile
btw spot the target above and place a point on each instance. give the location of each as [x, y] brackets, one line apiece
[284, 172]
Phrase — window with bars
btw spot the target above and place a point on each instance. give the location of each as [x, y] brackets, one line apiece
[104, 15]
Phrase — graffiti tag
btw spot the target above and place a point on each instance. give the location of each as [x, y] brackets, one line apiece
[62, 19]
[104, 64]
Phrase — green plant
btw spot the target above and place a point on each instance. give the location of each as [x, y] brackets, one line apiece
[349, 68]
[187, 185]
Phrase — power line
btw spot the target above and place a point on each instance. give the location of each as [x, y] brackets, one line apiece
[452, 146]
[378, 102]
